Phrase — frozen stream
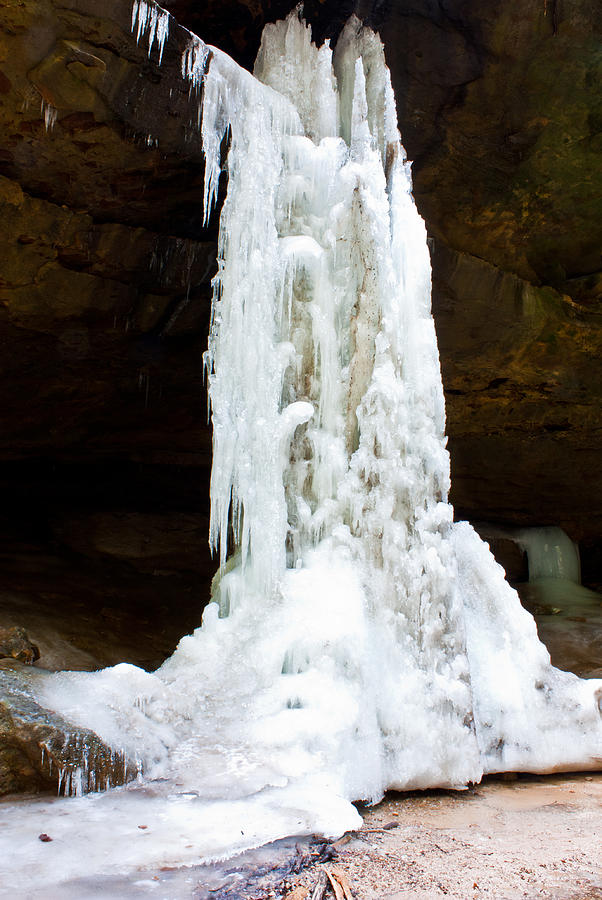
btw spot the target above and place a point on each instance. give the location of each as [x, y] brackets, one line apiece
[358, 639]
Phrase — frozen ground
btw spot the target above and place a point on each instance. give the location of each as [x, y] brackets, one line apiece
[532, 837]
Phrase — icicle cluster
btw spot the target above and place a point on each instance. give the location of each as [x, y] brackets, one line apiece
[152, 22]
[50, 115]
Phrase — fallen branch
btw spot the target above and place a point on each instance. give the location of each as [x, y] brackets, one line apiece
[340, 884]
[320, 887]
[388, 827]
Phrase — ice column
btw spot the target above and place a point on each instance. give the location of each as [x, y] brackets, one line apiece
[330, 464]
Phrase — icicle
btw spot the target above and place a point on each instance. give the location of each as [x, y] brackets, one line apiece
[152, 21]
[194, 62]
[50, 115]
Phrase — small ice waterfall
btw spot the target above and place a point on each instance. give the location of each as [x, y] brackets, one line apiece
[555, 573]
[550, 554]
[358, 639]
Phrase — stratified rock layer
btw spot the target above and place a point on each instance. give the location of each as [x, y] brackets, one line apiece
[105, 271]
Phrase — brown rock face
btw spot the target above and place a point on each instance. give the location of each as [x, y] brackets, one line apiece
[103, 274]
[524, 390]
[40, 750]
[105, 267]
[14, 644]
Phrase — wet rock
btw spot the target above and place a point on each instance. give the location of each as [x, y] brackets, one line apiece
[40, 750]
[15, 644]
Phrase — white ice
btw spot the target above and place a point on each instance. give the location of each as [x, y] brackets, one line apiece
[151, 21]
[550, 553]
[555, 572]
[358, 639]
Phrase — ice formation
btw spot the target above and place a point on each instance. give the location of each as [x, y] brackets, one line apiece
[555, 571]
[358, 639]
[151, 21]
[49, 114]
[550, 553]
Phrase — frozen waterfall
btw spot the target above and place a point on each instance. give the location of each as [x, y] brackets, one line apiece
[358, 639]
[400, 657]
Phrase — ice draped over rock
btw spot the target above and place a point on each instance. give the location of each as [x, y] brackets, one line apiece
[358, 639]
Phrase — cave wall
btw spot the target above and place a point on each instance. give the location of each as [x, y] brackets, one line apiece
[105, 268]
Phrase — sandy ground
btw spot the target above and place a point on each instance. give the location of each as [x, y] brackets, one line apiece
[531, 837]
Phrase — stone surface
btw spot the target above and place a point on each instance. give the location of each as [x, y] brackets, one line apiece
[150, 542]
[15, 644]
[520, 365]
[40, 750]
[104, 274]
[90, 611]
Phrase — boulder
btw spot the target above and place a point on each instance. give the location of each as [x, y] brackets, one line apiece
[15, 644]
[40, 750]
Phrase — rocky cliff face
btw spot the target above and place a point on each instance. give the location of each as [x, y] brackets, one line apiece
[105, 268]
